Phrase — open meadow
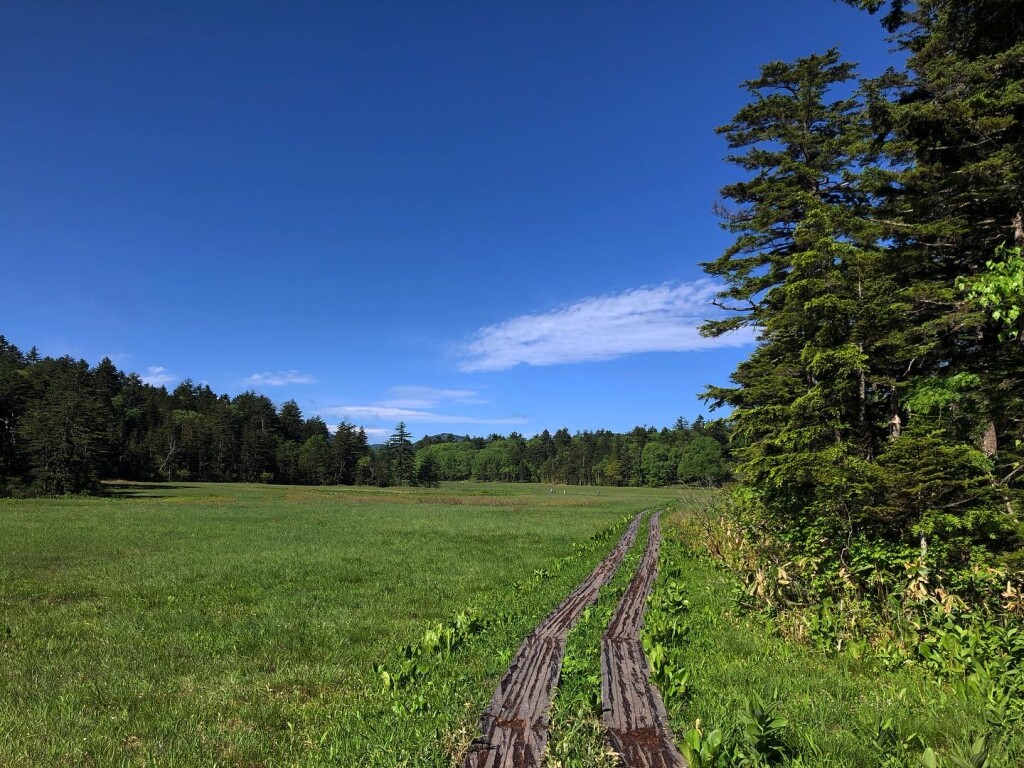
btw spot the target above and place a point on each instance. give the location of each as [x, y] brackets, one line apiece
[250, 625]
[200, 624]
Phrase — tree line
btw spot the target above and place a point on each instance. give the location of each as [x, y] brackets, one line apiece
[65, 426]
[878, 225]
[645, 456]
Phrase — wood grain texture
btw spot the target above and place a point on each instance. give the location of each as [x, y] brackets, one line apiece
[515, 724]
[634, 715]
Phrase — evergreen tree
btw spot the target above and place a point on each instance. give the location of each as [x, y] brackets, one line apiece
[62, 428]
[14, 393]
[120, 427]
[107, 383]
[401, 456]
[427, 471]
[957, 117]
[135, 417]
[314, 426]
[804, 270]
[292, 426]
[256, 427]
[865, 412]
[287, 461]
[348, 447]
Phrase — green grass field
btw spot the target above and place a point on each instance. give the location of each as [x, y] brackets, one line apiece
[238, 625]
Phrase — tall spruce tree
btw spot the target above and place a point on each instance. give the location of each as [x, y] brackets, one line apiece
[348, 446]
[957, 116]
[804, 270]
[401, 456]
[63, 429]
[427, 473]
[880, 395]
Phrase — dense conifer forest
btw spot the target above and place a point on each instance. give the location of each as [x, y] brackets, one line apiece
[878, 228]
[65, 426]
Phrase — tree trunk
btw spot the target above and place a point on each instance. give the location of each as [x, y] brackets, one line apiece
[895, 422]
[989, 444]
[1018, 228]
[172, 448]
[862, 410]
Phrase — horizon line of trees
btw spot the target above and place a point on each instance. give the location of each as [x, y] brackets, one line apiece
[66, 426]
[644, 456]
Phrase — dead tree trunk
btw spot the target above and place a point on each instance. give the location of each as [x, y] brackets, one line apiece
[989, 444]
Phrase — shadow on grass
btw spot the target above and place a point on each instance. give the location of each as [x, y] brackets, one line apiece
[126, 490]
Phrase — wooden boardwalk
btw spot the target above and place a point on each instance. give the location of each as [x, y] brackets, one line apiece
[634, 715]
[515, 724]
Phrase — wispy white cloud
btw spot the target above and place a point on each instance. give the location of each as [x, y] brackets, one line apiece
[428, 397]
[157, 376]
[662, 318]
[279, 378]
[388, 413]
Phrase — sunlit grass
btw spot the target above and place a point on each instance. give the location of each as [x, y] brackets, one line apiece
[839, 710]
[237, 625]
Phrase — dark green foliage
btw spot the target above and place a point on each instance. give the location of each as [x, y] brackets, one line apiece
[880, 419]
[256, 419]
[426, 472]
[400, 456]
[348, 447]
[61, 428]
[289, 419]
[64, 427]
[14, 392]
[941, 490]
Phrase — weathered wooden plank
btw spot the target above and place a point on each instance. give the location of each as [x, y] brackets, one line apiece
[634, 715]
[515, 725]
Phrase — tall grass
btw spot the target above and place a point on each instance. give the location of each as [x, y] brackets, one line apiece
[754, 697]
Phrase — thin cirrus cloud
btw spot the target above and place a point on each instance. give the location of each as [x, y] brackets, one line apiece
[429, 397]
[416, 404]
[389, 413]
[279, 378]
[157, 376]
[663, 318]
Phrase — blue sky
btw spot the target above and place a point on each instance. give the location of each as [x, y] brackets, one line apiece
[474, 216]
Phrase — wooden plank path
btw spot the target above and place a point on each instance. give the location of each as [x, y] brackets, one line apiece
[515, 724]
[633, 713]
